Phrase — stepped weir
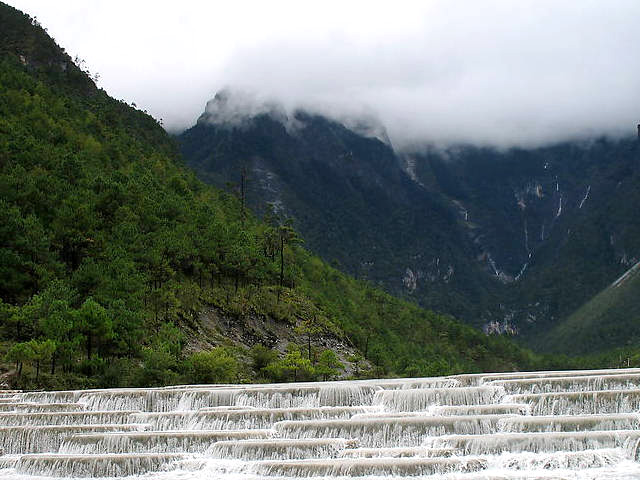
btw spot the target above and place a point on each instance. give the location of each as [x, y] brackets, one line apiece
[551, 425]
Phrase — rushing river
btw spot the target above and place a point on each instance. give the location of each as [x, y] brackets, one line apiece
[548, 425]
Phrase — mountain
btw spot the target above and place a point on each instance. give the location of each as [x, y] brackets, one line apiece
[119, 267]
[608, 320]
[555, 224]
[349, 197]
[509, 240]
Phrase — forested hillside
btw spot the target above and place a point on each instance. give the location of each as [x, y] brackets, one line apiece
[111, 250]
[555, 225]
[509, 240]
[349, 197]
[608, 320]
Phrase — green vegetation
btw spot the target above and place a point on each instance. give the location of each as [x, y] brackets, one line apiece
[351, 202]
[215, 366]
[508, 239]
[110, 249]
[513, 199]
[608, 320]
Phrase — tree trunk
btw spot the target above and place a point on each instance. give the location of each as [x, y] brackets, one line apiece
[89, 347]
[281, 266]
[243, 178]
[366, 345]
[281, 261]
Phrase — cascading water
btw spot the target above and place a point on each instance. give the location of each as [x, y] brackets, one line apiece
[578, 425]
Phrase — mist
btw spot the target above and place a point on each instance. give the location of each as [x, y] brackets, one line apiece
[498, 73]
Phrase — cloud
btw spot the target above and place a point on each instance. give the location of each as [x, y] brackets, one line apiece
[495, 72]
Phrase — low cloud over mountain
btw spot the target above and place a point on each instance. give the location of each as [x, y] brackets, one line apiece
[493, 72]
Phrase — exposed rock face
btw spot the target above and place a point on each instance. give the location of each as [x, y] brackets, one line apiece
[350, 197]
[467, 231]
[214, 328]
[410, 280]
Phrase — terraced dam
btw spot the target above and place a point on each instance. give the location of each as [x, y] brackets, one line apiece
[551, 425]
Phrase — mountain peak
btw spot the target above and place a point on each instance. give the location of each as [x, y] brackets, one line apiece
[236, 108]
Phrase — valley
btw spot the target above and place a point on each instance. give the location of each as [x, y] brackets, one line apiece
[282, 292]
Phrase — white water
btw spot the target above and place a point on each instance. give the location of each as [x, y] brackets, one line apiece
[586, 195]
[560, 425]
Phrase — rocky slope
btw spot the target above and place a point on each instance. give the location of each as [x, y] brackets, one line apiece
[510, 240]
[349, 196]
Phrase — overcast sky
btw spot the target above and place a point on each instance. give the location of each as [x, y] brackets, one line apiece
[509, 72]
